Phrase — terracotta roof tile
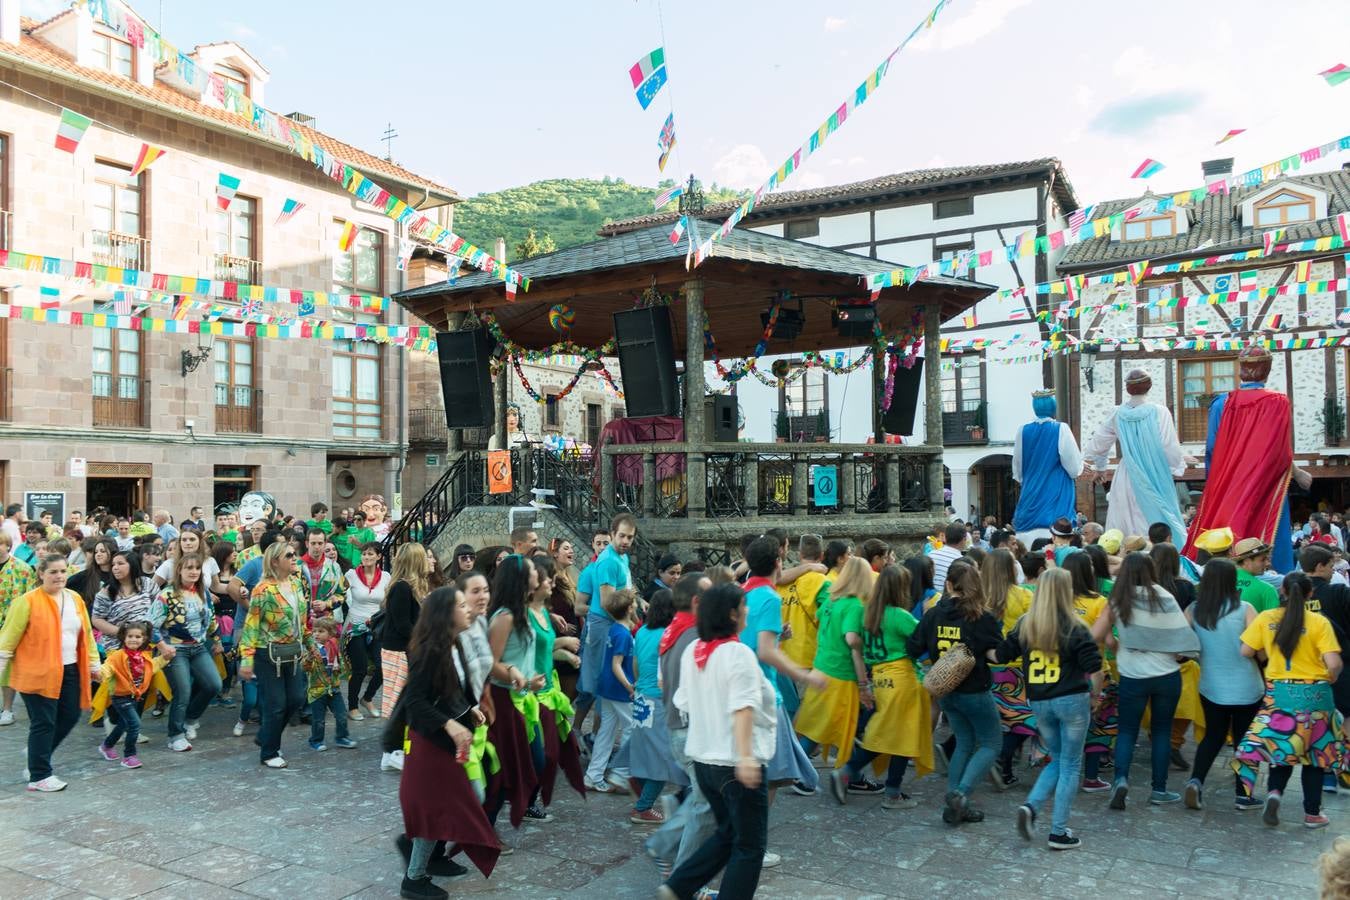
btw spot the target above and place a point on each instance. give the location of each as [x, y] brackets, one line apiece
[36, 50]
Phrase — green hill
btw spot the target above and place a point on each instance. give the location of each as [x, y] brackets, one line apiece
[568, 210]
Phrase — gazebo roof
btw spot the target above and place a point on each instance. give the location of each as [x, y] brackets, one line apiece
[744, 272]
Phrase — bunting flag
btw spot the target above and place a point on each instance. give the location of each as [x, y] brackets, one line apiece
[146, 158]
[666, 139]
[1247, 279]
[667, 195]
[678, 231]
[1078, 217]
[1272, 322]
[226, 186]
[1302, 269]
[648, 76]
[122, 303]
[405, 252]
[969, 319]
[71, 130]
[665, 157]
[289, 208]
[1147, 169]
[1268, 239]
[1232, 133]
[348, 236]
[181, 307]
[1343, 226]
[511, 291]
[1337, 74]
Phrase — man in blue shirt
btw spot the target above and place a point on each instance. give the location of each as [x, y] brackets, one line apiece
[164, 526]
[609, 573]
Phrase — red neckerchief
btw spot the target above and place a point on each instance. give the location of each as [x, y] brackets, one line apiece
[371, 584]
[136, 661]
[315, 567]
[757, 581]
[682, 622]
[703, 650]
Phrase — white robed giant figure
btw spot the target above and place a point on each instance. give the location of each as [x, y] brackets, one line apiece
[1142, 490]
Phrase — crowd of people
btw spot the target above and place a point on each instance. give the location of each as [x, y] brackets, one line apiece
[707, 691]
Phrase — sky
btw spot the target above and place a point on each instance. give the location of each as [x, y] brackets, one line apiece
[489, 97]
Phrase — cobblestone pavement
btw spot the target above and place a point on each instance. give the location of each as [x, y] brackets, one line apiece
[212, 823]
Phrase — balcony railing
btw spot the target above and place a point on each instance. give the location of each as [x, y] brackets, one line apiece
[121, 401]
[126, 251]
[238, 410]
[238, 268]
[427, 426]
[968, 425]
[6, 380]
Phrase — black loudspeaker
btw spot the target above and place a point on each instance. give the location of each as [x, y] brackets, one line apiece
[647, 361]
[466, 383]
[899, 419]
[720, 424]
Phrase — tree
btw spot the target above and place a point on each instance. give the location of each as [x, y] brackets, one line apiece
[534, 246]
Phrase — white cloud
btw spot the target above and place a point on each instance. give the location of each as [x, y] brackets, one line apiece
[983, 19]
[743, 166]
[835, 24]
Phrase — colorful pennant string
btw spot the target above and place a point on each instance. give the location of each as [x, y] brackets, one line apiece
[226, 186]
[146, 158]
[71, 130]
[1147, 169]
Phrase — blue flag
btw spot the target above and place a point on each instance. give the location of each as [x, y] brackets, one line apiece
[649, 88]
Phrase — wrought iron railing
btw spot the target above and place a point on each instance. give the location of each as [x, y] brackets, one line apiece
[967, 425]
[125, 251]
[238, 268]
[427, 426]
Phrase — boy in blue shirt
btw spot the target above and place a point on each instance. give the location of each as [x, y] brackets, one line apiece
[614, 688]
[608, 574]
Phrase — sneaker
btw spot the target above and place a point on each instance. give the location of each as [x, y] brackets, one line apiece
[1270, 813]
[275, 762]
[1065, 841]
[7, 717]
[109, 753]
[865, 786]
[1193, 794]
[421, 889]
[904, 801]
[157, 711]
[955, 808]
[1001, 780]
[1317, 821]
[238, 729]
[1329, 783]
[705, 894]
[131, 762]
[1026, 818]
[179, 744]
[839, 786]
[1245, 803]
[663, 866]
[972, 815]
[646, 817]
[49, 785]
[1118, 792]
[537, 813]
[940, 758]
[620, 785]
[224, 701]
[771, 860]
[600, 787]
[1162, 798]
[356, 715]
[802, 789]
[190, 729]
[1178, 761]
[1095, 786]
[143, 738]
[392, 761]
[320, 746]
[372, 711]
[345, 743]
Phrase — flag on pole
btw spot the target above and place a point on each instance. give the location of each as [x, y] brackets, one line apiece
[678, 231]
[1147, 169]
[1232, 133]
[648, 76]
[226, 186]
[1337, 74]
[667, 136]
[289, 208]
[149, 153]
[667, 195]
[71, 130]
[664, 157]
[1247, 281]
[347, 237]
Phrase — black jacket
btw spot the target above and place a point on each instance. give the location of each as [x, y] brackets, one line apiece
[942, 626]
[400, 615]
[1055, 674]
[425, 709]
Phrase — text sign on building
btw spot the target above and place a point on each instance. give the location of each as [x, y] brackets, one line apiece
[79, 468]
[35, 503]
[827, 485]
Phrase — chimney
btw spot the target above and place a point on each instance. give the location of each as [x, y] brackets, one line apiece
[9, 21]
[1217, 169]
[501, 250]
[306, 120]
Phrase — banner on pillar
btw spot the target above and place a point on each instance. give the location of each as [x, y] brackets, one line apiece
[826, 480]
[499, 471]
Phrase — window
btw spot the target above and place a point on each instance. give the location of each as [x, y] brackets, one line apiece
[1285, 208]
[356, 390]
[552, 411]
[802, 228]
[118, 217]
[114, 55]
[234, 78]
[957, 206]
[117, 371]
[1159, 314]
[237, 240]
[1146, 228]
[1201, 380]
[954, 251]
[963, 408]
[236, 409]
[593, 424]
[360, 270]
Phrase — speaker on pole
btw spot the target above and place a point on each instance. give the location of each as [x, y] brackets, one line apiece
[899, 419]
[647, 361]
[466, 382]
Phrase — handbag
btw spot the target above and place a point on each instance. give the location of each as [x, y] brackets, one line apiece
[946, 675]
[288, 652]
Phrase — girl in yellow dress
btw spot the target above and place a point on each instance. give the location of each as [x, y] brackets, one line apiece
[829, 716]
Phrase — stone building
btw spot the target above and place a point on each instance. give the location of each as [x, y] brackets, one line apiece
[1185, 380]
[130, 419]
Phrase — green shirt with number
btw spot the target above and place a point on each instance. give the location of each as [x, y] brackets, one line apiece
[897, 625]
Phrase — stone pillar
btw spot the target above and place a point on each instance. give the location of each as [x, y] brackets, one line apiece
[800, 484]
[932, 380]
[499, 405]
[696, 479]
[846, 484]
[454, 437]
[390, 466]
[751, 475]
[649, 486]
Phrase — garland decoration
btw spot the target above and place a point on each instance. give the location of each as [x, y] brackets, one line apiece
[561, 348]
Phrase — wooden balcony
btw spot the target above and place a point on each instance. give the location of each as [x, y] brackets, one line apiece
[967, 426]
[121, 401]
[238, 410]
[238, 268]
[125, 251]
[426, 426]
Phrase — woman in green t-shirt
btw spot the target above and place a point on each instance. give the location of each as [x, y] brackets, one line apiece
[902, 726]
[828, 716]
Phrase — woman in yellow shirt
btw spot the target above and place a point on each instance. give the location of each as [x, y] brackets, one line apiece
[1007, 602]
[1298, 724]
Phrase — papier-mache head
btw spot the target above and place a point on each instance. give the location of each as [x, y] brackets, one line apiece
[1137, 383]
[1043, 404]
[1254, 363]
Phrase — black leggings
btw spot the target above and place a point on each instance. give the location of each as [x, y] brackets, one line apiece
[1222, 723]
[1311, 776]
[363, 652]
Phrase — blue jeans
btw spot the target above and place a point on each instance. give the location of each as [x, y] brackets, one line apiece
[651, 789]
[319, 707]
[281, 694]
[742, 816]
[128, 723]
[195, 682]
[250, 691]
[1163, 692]
[975, 723]
[49, 721]
[1063, 723]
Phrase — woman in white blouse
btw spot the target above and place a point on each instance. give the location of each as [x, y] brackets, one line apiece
[366, 585]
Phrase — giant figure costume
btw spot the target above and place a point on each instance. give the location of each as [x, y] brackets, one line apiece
[1046, 460]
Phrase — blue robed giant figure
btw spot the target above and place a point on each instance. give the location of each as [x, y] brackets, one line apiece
[1046, 460]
